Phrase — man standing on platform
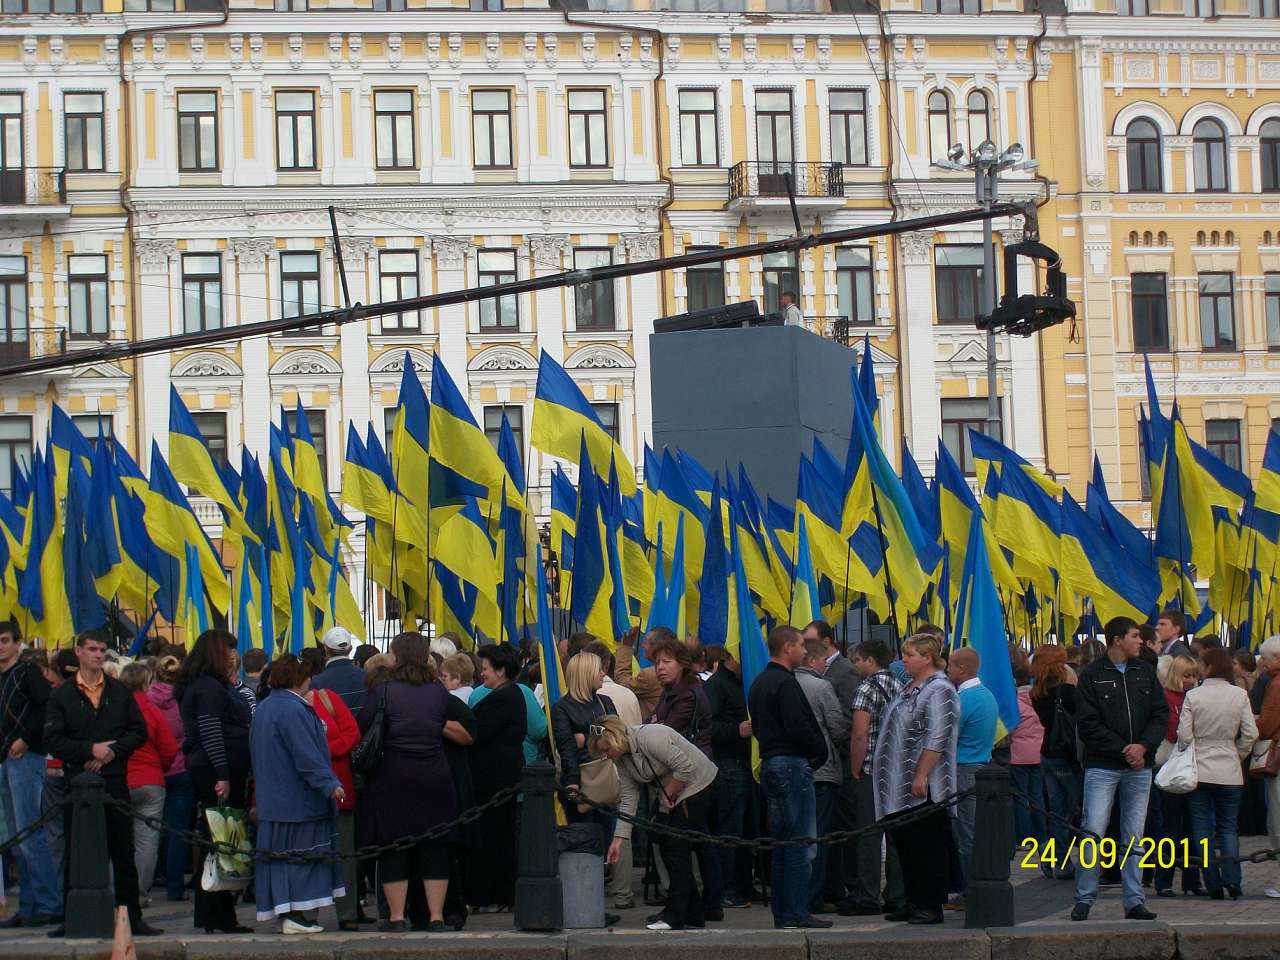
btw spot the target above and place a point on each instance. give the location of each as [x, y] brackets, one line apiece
[791, 748]
[93, 724]
[978, 716]
[791, 315]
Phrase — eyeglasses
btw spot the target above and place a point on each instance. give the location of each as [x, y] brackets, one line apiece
[595, 730]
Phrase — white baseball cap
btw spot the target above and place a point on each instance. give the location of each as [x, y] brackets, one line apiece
[337, 638]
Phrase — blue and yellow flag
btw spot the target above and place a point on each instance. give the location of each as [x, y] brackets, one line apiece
[805, 605]
[42, 589]
[713, 588]
[592, 588]
[173, 525]
[1096, 566]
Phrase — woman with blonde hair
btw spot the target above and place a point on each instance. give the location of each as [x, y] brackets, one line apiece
[1180, 675]
[682, 776]
[573, 714]
[914, 769]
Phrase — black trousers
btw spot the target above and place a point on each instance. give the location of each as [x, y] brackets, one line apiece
[214, 911]
[124, 869]
[685, 906]
[920, 845]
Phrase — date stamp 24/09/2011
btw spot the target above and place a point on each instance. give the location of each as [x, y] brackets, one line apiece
[1106, 853]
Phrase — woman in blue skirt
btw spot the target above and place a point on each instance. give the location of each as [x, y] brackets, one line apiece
[296, 789]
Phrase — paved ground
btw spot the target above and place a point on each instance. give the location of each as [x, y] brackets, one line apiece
[1037, 902]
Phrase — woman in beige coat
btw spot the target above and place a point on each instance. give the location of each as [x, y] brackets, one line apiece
[1217, 719]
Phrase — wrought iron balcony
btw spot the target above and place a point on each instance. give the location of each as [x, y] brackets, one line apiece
[767, 179]
[33, 187]
[24, 343]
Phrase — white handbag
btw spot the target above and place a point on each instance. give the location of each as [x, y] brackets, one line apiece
[1178, 775]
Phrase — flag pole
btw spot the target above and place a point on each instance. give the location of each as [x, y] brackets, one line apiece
[884, 559]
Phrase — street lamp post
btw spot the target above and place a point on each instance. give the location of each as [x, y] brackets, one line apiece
[986, 161]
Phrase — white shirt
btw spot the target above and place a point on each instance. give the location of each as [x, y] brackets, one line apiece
[463, 693]
[971, 682]
[791, 316]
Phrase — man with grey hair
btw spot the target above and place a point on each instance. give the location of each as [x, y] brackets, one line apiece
[340, 673]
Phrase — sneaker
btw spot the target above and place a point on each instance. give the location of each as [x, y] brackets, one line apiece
[738, 903]
[623, 904]
[1272, 892]
[290, 927]
[955, 903]
[1080, 911]
[658, 925]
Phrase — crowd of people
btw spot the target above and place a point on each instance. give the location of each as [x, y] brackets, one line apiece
[346, 747]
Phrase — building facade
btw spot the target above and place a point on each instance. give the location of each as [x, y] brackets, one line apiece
[168, 168]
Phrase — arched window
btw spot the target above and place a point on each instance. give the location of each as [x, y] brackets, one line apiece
[1142, 145]
[979, 118]
[1209, 155]
[1269, 136]
[939, 125]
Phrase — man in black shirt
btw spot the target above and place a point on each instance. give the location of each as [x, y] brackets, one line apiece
[23, 694]
[731, 747]
[92, 724]
[791, 748]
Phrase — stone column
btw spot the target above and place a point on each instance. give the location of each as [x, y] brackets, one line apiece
[922, 415]
[353, 341]
[645, 307]
[252, 254]
[1100, 356]
[154, 258]
[549, 252]
[451, 274]
[1093, 127]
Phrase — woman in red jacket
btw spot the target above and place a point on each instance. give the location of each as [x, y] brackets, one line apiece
[343, 734]
[147, 766]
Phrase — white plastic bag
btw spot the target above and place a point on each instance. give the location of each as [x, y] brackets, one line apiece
[1178, 775]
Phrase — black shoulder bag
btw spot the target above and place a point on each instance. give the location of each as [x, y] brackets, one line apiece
[368, 752]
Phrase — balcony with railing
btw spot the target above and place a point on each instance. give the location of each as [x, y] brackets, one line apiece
[842, 330]
[38, 191]
[27, 343]
[767, 184]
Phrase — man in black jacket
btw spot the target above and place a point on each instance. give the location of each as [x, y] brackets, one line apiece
[731, 747]
[23, 694]
[1121, 717]
[791, 748]
[92, 725]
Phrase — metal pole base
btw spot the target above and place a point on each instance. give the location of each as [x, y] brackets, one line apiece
[90, 915]
[538, 904]
[988, 903]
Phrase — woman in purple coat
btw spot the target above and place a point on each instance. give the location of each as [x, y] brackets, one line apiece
[411, 790]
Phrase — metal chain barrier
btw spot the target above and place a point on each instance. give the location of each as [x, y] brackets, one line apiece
[44, 820]
[319, 856]
[766, 843]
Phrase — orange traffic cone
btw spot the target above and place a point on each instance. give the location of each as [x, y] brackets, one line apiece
[122, 945]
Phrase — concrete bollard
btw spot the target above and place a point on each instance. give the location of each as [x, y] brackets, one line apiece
[90, 906]
[538, 903]
[989, 894]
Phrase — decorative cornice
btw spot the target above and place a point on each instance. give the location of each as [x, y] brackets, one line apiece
[153, 255]
[206, 365]
[916, 247]
[306, 363]
[451, 252]
[640, 246]
[252, 253]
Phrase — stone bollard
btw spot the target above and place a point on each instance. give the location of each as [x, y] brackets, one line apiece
[538, 903]
[989, 895]
[90, 906]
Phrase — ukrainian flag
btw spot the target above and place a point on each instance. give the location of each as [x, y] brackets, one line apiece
[173, 525]
[465, 549]
[988, 452]
[1269, 478]
[553, 686]
[1224, 486]
[190, 459]
[713, 588]
[42, 588]
[592, 590]
[805, 605]
[1095, 566]
[677, 501]
[562, 417]
[458, 443]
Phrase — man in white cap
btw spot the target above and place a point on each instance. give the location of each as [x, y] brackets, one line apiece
[340, 673]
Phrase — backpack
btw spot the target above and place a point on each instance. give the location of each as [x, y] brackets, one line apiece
[1060, 741]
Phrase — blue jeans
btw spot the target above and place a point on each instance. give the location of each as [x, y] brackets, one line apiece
[40, 892]
[179, 813]
[1062, 788]
[1214, 809]
[732, 783]
[825, 806]
[966, 812]
[1027, 779]
[1100, 790]
[788, 790]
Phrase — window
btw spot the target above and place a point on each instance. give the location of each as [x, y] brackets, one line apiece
[849, 127]
[939, 125]
[295, 130]
[588, 137]
[780, 276]
[398, 280]
[1142, 151]
[699, 138]
[201, 291]
[493, 423]
[1150, 312]
[855, 284]
[1133, 8]
[607, 414]
[15, 448]
[1269, 139]
[213, 427]
[291, 6]
[958, 282]
[10, 131]
[1272, 287]
[315, 423]
[773, 130]
[1209, 155]
[959, 416]
[950, 6]
[300, 287]
[393, 128]
[1222, 437]
[197, 130]
[84, 120]
[87, 296]
[91, 425]
[486, 6]
[979, 118]
[55, 6]
[13, 307]
[704, 283]
[390, 6]
[491, 128]
[495, 267]
[388, 429]
[594, 301]
[1217, 311]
